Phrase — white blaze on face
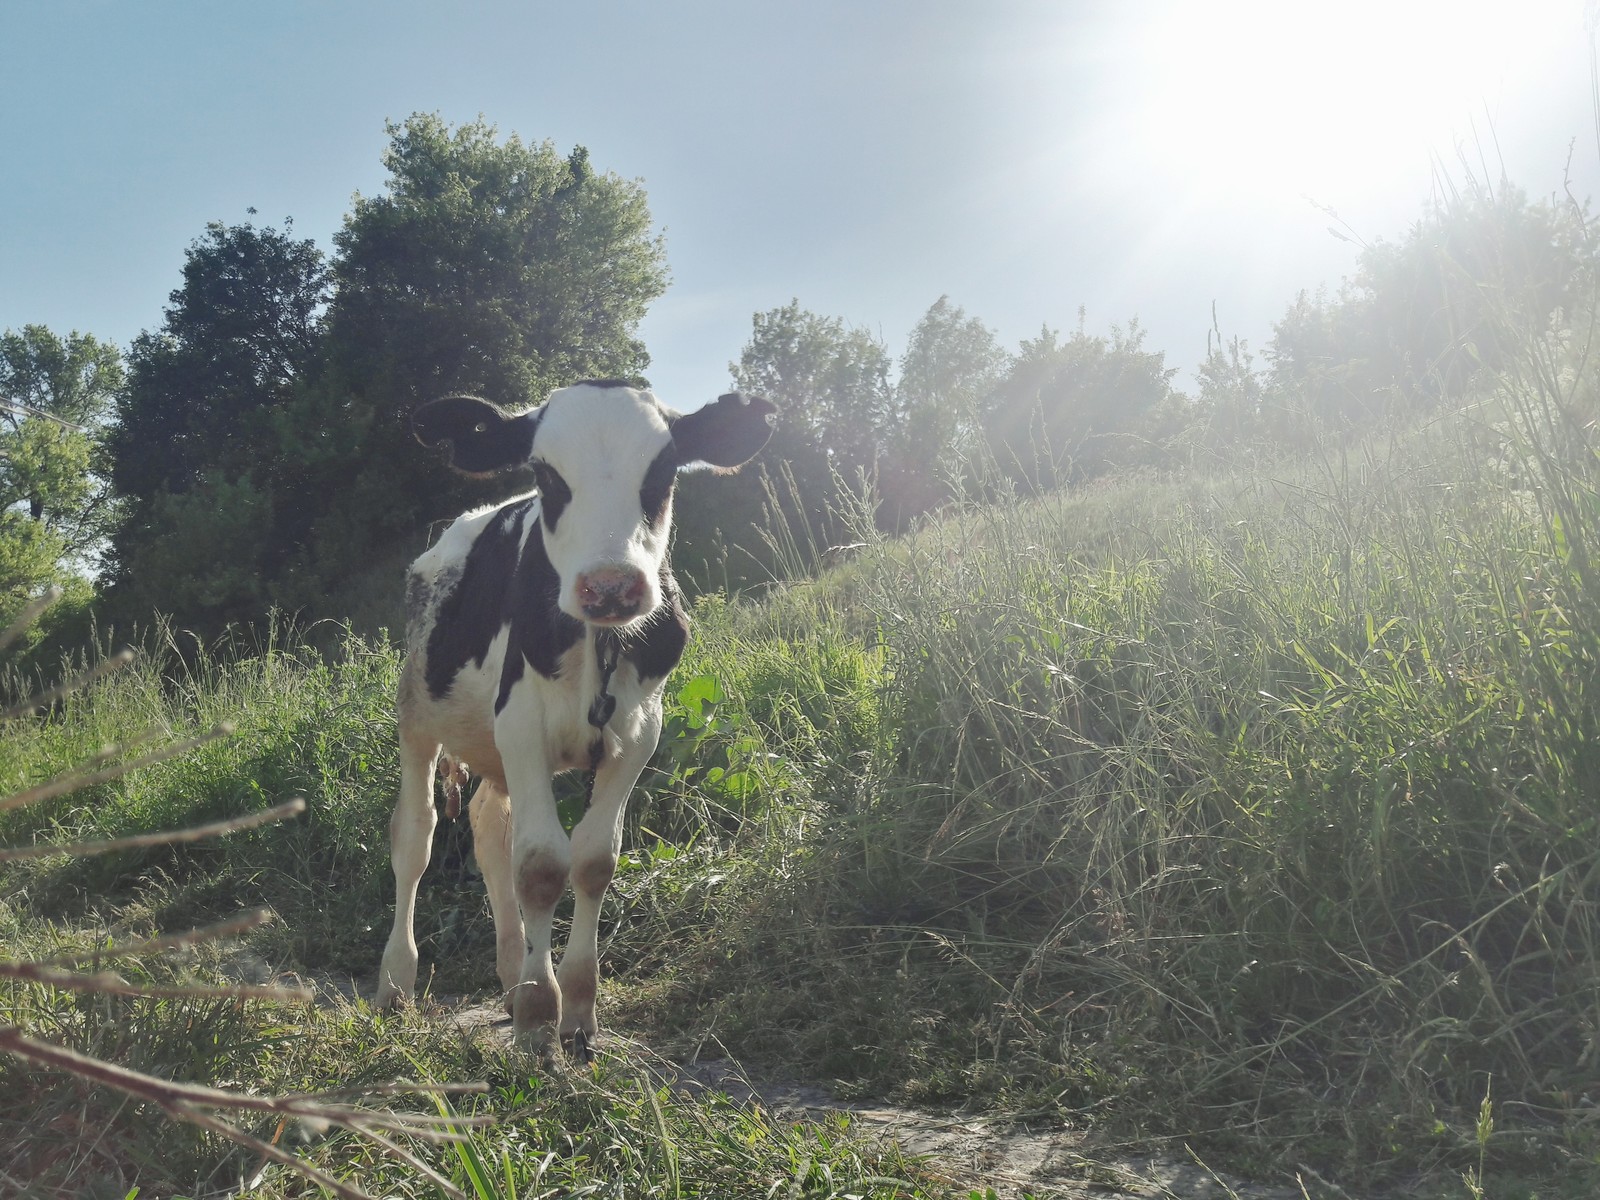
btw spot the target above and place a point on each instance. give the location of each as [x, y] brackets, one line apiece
[591, 453]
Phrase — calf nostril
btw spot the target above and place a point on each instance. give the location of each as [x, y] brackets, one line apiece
[610, 591]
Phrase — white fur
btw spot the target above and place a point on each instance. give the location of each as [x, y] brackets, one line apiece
[601, 441]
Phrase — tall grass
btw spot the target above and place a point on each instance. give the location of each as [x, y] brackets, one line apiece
[1260, 810]
[320, 726]
[1256, 811]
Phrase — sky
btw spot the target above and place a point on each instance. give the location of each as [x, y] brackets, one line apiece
[1030, 159]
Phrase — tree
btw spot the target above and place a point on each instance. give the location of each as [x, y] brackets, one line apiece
[492, 266]
[1229, 416]
[55, 396]
[832, 381]
[243, 329]
[1062, 406]
[1426, 314]
[948, 376]
[831, 384]
[200, 419]
[268, 420]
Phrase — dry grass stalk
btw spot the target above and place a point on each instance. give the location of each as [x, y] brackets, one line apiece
[73, 780]
[196, 1105]
[139, 841]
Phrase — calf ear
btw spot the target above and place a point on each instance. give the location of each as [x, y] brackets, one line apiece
[726, 433]
[483, 437]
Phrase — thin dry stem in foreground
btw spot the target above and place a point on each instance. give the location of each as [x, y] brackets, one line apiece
[198, 1106]
[71, 781]
[195, 833]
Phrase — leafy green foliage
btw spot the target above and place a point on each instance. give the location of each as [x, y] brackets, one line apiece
[211, 501]
[241, 331]
[270, 414]
[491, 265]
[1066, 407]
[831, 383]
[55, 396]
[949, 374]
[1426, 315]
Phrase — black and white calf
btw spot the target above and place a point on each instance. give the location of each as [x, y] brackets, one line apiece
[540, 632]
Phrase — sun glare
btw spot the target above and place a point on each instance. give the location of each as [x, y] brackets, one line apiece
[1270, 96]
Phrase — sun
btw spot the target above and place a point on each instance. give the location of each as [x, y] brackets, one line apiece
[1261, 97]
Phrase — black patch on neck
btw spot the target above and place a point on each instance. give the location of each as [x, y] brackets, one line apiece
[656, 648]
[472, 614]
[540, 632]
[656, 490]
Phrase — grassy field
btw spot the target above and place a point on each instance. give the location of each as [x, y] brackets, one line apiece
[1254, 811]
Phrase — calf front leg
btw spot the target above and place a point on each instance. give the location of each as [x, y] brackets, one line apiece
[410, 846]
[596, 842]
[540, 857]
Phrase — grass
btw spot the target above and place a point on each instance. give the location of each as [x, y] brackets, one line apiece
[615, 1131]
[1257, 812]
[1250, 812]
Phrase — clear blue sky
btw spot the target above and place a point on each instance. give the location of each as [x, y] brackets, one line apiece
[866, 157]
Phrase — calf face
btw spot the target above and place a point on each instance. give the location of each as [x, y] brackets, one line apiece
[540, 637]
[604, 456]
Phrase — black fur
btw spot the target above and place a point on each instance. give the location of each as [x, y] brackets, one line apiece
[658, 646]
[471, 614]
[554, 494]
[637, 382]
[656, 489]
[483, 437]
[726, 433]
[540, 632]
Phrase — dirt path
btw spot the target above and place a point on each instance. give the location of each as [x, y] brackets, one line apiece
[971, 1152]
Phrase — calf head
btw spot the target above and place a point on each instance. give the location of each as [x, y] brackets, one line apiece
[605, 456]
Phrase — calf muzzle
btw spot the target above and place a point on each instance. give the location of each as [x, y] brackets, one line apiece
[610, 595]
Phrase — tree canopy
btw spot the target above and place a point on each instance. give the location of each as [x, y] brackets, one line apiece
[56, 394]
[1059, 413]
[257, 453]
[263, 444]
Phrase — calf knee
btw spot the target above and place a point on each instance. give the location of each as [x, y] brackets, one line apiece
[541, 878]
[593, 876]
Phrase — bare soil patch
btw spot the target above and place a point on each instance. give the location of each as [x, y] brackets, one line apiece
[973, 1153]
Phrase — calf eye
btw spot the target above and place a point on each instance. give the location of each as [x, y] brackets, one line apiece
[554, 494]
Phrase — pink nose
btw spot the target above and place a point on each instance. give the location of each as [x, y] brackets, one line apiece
[610, 593]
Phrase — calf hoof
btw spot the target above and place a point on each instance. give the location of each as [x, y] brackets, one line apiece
[388, 997]
[542, 1044]
[581, 1049]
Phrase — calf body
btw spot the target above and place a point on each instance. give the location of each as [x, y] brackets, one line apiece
[539, 635]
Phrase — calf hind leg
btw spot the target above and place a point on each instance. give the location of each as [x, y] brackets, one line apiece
[490, 814]
[410, 846]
